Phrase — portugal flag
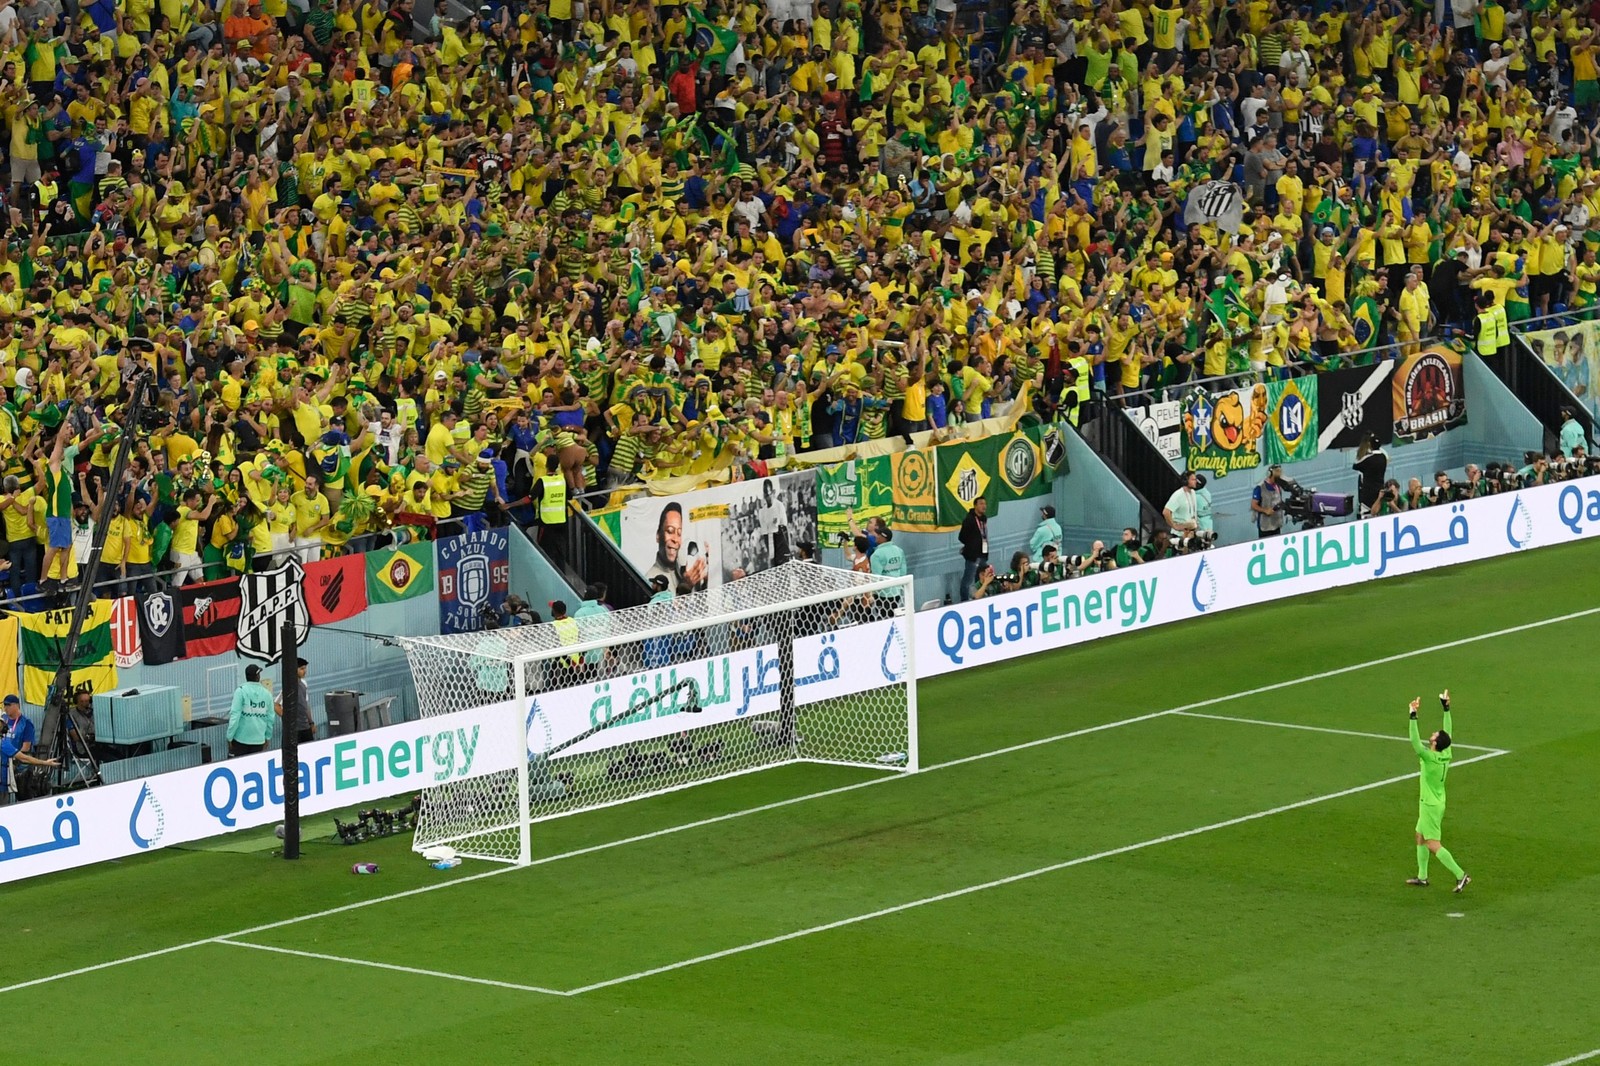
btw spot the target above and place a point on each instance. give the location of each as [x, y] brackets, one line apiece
[43, 632]
[399, 574]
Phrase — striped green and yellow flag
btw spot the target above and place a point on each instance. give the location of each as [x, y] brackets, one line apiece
[400, 574]
[43, 633]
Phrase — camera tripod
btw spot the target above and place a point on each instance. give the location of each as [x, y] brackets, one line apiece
[65, 742]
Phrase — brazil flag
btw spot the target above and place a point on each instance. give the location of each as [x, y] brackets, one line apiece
[43, 634]
[399, 574]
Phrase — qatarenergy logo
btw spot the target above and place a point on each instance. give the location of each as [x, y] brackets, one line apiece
[428, 758]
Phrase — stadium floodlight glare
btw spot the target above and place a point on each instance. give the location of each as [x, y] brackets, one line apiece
[798, 664]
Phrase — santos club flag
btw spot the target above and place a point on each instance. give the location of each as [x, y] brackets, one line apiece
[1216, 203]
[43, 634]
[400, 574]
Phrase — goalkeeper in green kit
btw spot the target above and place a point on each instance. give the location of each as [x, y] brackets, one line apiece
[1434, 754]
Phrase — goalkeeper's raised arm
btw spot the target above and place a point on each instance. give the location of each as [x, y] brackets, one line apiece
[1444, 702]
[1416, 738]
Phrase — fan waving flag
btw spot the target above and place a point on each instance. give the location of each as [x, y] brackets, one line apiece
[713, 43]
[336, 589]
[400, 574]
[1216, 203]
[210, 617]
[94, 665]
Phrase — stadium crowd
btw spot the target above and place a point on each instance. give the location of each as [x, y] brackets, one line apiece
[390, 272]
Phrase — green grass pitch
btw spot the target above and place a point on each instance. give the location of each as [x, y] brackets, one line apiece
[1196, 886]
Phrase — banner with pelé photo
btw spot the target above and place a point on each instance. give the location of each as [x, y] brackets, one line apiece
[1571, 353]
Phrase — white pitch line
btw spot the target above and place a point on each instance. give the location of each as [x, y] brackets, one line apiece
[857, 919]
[1002, 881]
[1585, 1057]
[701, 823]
[1326, 729]
[413, 970]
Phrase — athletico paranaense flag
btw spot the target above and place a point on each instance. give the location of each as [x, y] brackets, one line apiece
[94, 665]
[400, 574]
[210, 617]
[336, 589]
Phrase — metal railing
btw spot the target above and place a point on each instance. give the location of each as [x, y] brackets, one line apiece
[1134, 458]
[580, 549]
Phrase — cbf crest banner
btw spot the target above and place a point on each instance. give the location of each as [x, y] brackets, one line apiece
[1222, 430]
[474, 573]
[268, 599]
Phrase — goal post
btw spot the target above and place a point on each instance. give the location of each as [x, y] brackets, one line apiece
[798, 664]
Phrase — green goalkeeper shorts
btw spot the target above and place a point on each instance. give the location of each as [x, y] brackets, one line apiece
[1430, 820]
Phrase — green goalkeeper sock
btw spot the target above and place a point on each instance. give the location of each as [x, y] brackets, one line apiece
[1450, 863]
[1422, 862]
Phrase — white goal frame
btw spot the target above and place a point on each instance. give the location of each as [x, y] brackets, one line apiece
[544, 691]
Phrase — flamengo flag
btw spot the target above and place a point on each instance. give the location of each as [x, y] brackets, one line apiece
[210, 617]
[160, 627]
[43, 632]
[1216, 203]
[399, 574]
[336, 589]
[125, 641]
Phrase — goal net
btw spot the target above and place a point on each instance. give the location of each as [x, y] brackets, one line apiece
[800, 663]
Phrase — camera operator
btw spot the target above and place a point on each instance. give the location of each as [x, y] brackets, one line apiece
[1474, 486]
[1266, 503]
[1182, 511]
[16, 746]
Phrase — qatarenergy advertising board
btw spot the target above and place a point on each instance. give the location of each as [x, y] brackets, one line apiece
[1172, 590]
[115, 821]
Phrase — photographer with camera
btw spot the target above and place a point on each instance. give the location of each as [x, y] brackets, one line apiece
[1128, 552]
[1389, 500]
[1266, 502]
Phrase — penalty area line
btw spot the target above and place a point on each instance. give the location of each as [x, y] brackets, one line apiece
[411, 970]
[731, 815]
[1326, 729]
[1003, 881]
[1585, 1057]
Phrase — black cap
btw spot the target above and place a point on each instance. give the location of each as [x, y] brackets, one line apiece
[252, 672]
[1048, 510]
